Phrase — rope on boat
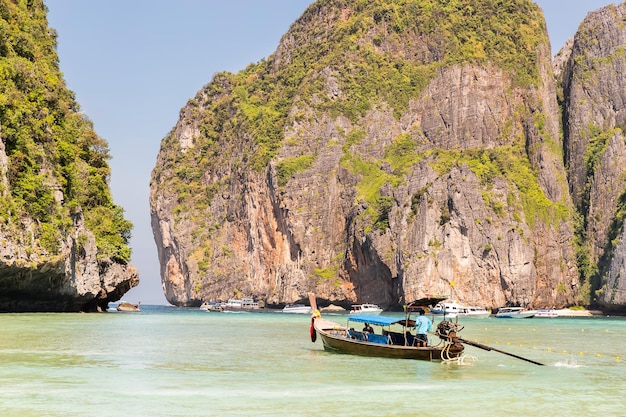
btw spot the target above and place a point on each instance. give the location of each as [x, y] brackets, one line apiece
[447, 330]
[461, 359]
[466, 357]
[445, 354]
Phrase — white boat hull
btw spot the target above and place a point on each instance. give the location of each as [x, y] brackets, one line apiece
[244, 304]
[454, 310]
[515, 314]
[366, 309]
[477, 312]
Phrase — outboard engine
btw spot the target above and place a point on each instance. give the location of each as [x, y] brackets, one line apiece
[447, 330]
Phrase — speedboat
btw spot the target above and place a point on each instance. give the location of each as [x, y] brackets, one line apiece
[297, 309]
[455, 309]
[515, 313]
[366, 309]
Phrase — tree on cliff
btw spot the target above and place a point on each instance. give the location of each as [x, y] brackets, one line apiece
[53, 166]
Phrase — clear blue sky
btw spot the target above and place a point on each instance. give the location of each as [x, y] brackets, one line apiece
[133, 64]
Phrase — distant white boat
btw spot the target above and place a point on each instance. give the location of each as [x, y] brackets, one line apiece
[241, 304]
[366, 308]
[450, 309]
[297, 309]
[515, 313]
[476, 312]
[455, 309]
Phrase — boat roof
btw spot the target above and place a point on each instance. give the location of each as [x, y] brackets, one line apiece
[376, 320]
[427, 301]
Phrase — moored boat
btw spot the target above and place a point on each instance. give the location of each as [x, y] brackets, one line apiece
[447, 309]
[241, 304]
[515, 313]
[455, 309]
[366, 309]
[476, 312]
[297, 309]
[212, 306]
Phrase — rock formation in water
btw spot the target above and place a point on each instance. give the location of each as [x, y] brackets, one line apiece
[64, 241]
[385, 152]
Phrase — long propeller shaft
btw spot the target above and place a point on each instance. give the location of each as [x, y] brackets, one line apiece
[489, 348]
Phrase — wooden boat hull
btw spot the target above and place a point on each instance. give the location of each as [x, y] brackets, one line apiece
[334, 340]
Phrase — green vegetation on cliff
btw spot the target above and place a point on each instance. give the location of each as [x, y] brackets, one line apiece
[593, 274]
[511, 164]
[368, 44]
[57, 164]
[363, 46]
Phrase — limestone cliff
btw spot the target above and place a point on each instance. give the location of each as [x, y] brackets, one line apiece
[386, 151]
[594, 120]
[64, 241]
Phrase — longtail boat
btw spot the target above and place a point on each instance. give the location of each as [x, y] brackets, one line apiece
[392, 337]
[394, 340]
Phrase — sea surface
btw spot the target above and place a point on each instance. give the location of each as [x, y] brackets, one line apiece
[167, 361]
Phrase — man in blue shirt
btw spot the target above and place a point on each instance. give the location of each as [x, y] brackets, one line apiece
[423, 325]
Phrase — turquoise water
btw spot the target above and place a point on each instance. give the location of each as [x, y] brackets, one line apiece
[177, 362]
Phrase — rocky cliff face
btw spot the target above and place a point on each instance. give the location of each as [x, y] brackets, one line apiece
[72, 279]
[594, 119]
[63, 241]
[384, 153]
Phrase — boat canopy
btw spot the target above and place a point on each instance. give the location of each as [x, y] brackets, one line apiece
[376, 320]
